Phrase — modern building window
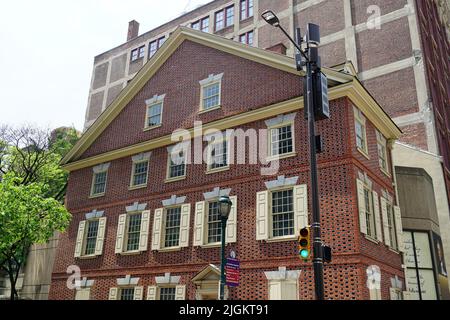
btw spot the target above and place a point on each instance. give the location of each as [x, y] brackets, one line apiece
[282, 213]
[224, 18]
[172, 228]
[218, 155]
[281, 140]
[177, 165]
[167, 293]
[99, 183]
[154, 114]
[247, 38]
[382, 152]
[155, 45]
[91, 237]
[133, 231]
[369, 210]
[392, 227]
[246, 9]
[137, 53]
[127, 294]
[140, 173]
[214, 223]
[202, 24]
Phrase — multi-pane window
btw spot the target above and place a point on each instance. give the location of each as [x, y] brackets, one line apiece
[211, 95]
[224, 18]
[281, 140]
[172, 230]
[370, 216]
[134, 230]
[154, 113]
[91, 237]
[218, 155]
[391, 225]
[247, 38]
[140, 170]
[155, 45]
[282, 213]
[214, 223]
[137, 53]
[202, 24]
[382, 152]
[177, 165]
[360, 130]
[167, 293]
[246, 9]
[99, 183]
[127, 294]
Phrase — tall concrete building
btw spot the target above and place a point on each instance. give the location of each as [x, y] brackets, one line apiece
[399, 50]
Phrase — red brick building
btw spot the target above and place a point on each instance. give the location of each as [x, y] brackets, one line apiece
[145, 226]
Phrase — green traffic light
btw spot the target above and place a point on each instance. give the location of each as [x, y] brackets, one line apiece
[304, 253]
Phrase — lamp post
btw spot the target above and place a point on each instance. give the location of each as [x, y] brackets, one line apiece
[310, 59]
[224, 210]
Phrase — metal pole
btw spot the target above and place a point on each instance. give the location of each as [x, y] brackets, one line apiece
[317, 241]
[222, 265]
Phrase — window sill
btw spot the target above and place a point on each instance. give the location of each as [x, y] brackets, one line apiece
[245, 20]
[153, 127]
[211, 245]
[282, 239]
[130, 253]
[171, 249]
[282, 156]
[212, 171]
[371, 239]
[169, 180]
[137, 187]
[385, 172]
[363, 152]
[210, 109]
[394, 250]
[91, 256]
[96, 195]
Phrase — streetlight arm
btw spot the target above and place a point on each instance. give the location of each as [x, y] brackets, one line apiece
[294, 43]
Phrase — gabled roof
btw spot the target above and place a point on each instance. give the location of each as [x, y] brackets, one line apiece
[342, 81]
[182, 34]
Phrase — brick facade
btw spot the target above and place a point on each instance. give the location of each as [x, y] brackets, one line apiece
[242, 90]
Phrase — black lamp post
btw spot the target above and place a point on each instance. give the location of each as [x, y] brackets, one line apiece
[310, 59]
[224, 210]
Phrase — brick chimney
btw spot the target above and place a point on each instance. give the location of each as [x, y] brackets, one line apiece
[278, 48]
[133, 30]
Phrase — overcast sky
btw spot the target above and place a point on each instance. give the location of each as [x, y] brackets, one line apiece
[47, 49]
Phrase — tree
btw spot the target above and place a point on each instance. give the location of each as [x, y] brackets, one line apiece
[26, 217]
[32, 190]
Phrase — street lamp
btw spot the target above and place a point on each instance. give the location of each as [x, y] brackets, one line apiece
[310, 58]
[224, 210]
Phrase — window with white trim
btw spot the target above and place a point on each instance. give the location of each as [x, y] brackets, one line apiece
[91, 237]
[172, 227]
[360, 131]
[126, 293]
[382, 152]
[99, 183]
[133, 231]
[154, 114]
[218, 155]
[214, 230]
[391, 226]
[281, 140]
[167, 293]
[210, 92]
[140, 173]
[282, 213]
[370, 215]
[176, 165]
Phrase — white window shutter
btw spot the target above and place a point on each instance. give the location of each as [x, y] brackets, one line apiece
[200, 209]
[113, 294]
[376, 207]
[384, 213]
[83, 294]
[274, 290]
[120, 233]
[151, 292]
[361, 207]
[138, 293]
[80, 239]
[262, 215]
[157, 228]
[393, 293]
[289, 290]
[232, 222]
[399, 228]
[143, 236]
[180, 292]
[184, 225]
[300, 208]
[100, 236]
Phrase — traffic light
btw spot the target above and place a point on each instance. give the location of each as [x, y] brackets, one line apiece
[304, 243]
